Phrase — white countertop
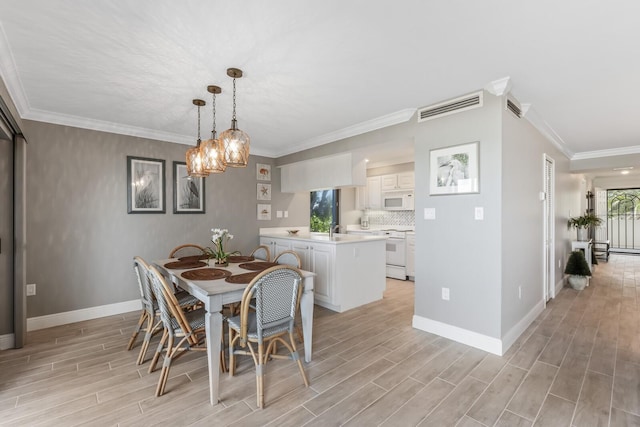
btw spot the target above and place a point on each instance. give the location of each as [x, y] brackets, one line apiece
[356, 227]
[337, 238]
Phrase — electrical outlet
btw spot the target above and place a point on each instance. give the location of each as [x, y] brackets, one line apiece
[479, 213]
[31, 289]
[445, 294]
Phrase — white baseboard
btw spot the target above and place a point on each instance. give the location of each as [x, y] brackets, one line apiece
[57, 319]
[559, 287]
[512, 335]
[474, 339]
[7, 341]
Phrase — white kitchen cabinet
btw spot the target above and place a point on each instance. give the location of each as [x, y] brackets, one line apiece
[302, 249]
[276, 246]
[400, 181]
[411, 254]
[369, 197]
[321, 259]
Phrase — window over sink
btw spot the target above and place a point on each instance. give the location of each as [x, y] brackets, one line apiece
[324, 210]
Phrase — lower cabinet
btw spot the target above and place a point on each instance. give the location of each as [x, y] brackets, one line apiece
[276, 246]
[318, 258]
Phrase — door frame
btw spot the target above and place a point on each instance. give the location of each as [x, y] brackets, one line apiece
[549, 232]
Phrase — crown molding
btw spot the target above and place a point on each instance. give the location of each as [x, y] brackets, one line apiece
[9, 74]
[499, 87]
[609, 152]
[357, 129]
[547, 131]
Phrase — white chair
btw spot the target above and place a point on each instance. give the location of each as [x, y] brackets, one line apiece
[276, 291]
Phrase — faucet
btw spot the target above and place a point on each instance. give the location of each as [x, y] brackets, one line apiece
[333, 230]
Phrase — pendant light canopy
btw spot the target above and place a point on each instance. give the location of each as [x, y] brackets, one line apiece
[195, 165]
[211, 150]
[235, 141]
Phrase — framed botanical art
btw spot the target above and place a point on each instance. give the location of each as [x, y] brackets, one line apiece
[145, 185]
[264, 191]
[188, 192]
[264, 212]
[454, 170]
[263, 172]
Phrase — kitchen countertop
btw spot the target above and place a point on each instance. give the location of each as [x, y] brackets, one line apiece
[337, 238]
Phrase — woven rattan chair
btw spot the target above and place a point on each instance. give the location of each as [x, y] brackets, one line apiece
[183, 330]
[288, 258]
[262, 252]
[149, 321]
[276, 291]
[188, 249]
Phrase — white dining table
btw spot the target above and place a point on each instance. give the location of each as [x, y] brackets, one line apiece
[215, 293]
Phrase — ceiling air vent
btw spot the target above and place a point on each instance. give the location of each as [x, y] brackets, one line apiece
[514, 108]
[450, 107]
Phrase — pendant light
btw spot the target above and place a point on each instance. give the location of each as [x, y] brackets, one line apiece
[235, 141]
[195, 165]
[211, 150]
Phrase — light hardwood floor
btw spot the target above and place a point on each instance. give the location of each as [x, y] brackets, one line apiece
[577, 364]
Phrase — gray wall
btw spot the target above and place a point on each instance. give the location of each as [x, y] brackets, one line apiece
[80, 238]
[522, 219]
[455, 251]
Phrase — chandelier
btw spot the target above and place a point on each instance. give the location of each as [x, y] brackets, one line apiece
[234, 141]
[211, 150]
[195, 164]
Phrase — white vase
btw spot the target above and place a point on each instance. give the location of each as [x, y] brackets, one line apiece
[578, 282]
[583, 234]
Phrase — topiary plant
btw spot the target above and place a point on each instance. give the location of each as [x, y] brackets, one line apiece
[578, 270]
[577, 265]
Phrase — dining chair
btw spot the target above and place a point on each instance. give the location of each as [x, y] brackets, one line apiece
[288, 258]
[183, 330]
[276, 291]
[150, 314]
[188, 249]
[261, 252]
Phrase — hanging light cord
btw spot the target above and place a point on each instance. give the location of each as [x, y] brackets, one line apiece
[198, 125]
[213, 131]
[234, 99]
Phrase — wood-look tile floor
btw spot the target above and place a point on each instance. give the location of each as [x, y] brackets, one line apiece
[578, 364]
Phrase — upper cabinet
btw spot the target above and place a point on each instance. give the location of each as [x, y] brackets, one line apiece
[369, 197]
[341, 170]
[401, 181]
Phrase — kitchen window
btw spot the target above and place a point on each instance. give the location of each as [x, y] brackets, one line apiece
[324, 210]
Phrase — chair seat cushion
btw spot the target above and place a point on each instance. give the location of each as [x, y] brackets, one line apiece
[195, 319]
[252, 330]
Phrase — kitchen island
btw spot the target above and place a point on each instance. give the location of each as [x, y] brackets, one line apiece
[350, 270]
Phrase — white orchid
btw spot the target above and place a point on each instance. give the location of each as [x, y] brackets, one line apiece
[219, 238]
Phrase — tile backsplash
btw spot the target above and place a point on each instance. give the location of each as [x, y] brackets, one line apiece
[407, 218]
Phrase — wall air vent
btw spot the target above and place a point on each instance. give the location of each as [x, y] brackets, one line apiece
[514, 108]
[453, 106]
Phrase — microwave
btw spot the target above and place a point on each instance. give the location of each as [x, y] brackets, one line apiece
[398, 201]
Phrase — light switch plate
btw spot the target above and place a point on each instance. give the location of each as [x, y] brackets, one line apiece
[278, 214]
[31, 289]
[286, 214]
[429, 213]
[479, 213]
[445, 294]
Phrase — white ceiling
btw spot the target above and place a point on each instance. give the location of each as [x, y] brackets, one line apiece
[318, 71]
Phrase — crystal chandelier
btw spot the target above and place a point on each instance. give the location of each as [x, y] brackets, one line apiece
[211, 150]
[195, 165]
[234, 141]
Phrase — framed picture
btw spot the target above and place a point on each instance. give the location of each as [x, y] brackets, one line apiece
[145, 185]
[264, 212]
[454, 170]
[264, 191]
[188, 192]
[263, 172]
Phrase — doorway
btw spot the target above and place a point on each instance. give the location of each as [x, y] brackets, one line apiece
[623, 220]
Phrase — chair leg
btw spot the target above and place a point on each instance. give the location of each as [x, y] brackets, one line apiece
[232, 360]
[260, 376]
[150, 331]
[296, 357]
[156, 356]
[166, 365]
[136, 331]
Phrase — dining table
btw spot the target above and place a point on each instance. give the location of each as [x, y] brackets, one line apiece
[217, 288]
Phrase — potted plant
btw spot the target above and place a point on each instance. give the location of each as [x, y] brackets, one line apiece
[578, 270]
[582, 224]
